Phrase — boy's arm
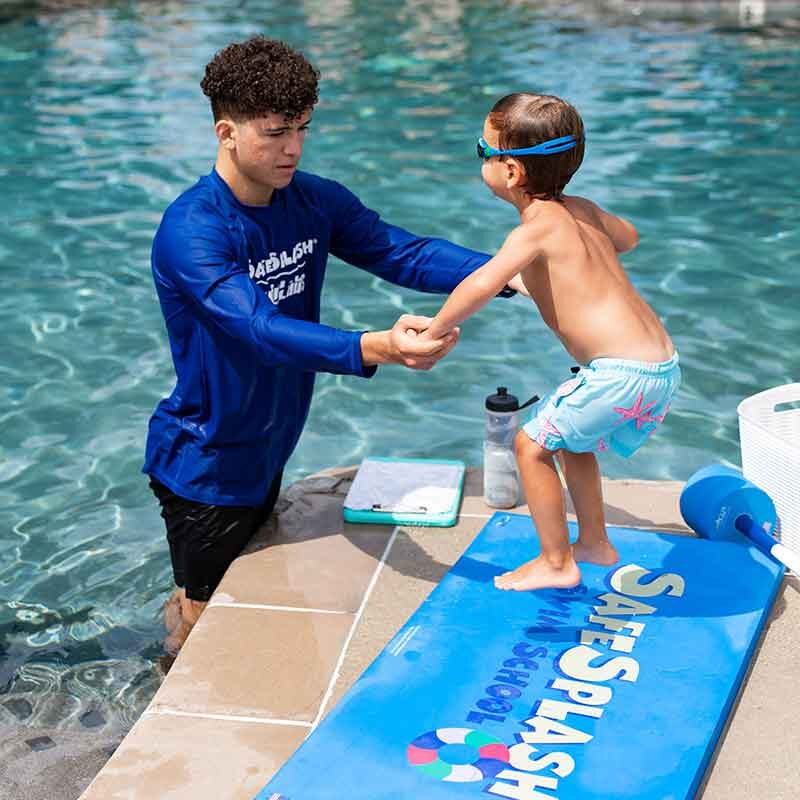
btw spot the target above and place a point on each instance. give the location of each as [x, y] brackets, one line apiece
[476, 290]
[518, 285]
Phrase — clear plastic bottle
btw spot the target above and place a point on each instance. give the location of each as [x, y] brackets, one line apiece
[500, 476]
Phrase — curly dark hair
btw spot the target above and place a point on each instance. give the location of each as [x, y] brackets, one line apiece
[524, 120]
[250, 79]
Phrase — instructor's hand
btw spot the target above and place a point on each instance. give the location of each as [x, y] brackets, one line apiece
[401, 345]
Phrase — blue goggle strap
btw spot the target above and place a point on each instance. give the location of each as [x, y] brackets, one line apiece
[558, 145]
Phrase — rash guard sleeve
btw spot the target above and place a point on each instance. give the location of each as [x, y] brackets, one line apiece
[195, 262]
[360, 237]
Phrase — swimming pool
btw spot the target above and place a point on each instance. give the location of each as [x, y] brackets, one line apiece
[692, 133]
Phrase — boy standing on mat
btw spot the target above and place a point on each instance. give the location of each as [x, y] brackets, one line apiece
[565, 251]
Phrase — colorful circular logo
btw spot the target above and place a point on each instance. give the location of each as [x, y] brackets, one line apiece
[458, 754]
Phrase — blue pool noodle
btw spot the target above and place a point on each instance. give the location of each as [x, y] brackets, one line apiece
[718, 502]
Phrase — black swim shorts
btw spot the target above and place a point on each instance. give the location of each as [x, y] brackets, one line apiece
[204, 539]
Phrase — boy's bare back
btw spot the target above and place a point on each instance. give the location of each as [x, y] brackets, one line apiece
[564, 252]
[580, 287]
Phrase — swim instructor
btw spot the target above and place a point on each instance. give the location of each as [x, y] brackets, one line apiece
[238, 262]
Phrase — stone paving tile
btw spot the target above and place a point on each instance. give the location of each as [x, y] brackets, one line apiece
[256, 663]
[324, 570]
[175, 758]
[308, 557]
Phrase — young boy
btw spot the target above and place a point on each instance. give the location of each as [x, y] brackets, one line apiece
[564, 254]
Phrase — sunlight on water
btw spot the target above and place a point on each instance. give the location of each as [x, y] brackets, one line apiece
[692, 133]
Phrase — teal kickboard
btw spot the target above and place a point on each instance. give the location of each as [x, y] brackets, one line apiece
[423, 518]
[617, 689]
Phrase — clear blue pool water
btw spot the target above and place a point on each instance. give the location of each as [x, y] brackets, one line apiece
[694, 134]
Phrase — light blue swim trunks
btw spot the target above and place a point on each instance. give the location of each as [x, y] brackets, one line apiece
[611, 404]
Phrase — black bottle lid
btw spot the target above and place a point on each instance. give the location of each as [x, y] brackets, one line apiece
[502, 401]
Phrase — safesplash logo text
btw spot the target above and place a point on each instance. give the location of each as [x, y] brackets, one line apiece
[580, 692]
[282, 274]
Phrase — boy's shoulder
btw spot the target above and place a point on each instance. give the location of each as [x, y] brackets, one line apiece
[583, 203]
[552, 225]
[552, 215]
[582, 208]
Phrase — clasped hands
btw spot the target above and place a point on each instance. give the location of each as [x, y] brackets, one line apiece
[407, 344]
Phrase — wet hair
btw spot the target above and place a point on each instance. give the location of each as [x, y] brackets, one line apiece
[259, 76]
[525, 120]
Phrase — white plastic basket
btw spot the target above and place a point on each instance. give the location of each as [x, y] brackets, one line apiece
[769, 435]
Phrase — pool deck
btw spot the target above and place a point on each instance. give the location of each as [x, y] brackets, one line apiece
[313, 601]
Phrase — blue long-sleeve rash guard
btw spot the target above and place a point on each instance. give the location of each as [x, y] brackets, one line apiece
[239, 288]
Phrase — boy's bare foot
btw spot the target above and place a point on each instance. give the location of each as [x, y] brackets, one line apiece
[602, 552]
[540, 574]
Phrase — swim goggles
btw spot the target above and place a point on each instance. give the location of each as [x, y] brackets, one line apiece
[545, 148]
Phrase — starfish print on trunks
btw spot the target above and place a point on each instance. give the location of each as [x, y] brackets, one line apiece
[547, 428]
[636, 412]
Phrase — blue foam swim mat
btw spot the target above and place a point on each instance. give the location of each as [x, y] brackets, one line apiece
[619, 688]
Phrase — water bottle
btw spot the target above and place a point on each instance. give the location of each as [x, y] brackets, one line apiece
[500, 475]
